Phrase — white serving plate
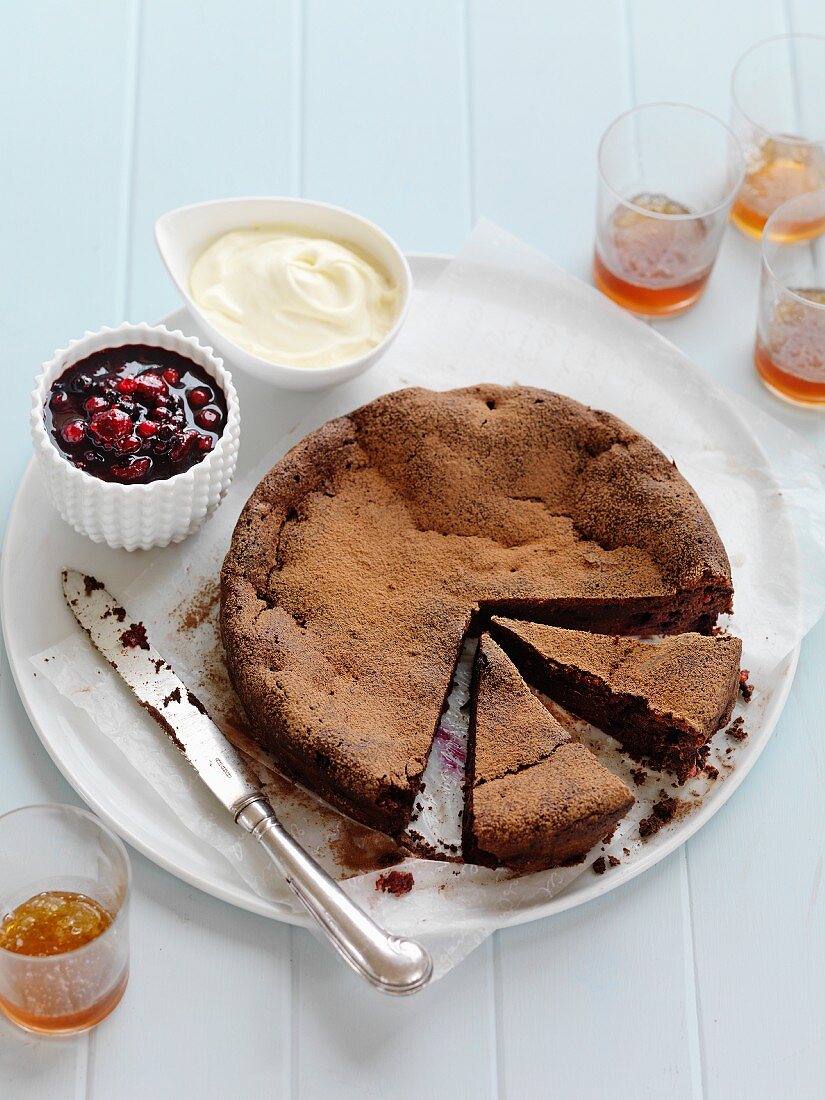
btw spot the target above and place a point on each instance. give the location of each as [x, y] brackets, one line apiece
[38, 544]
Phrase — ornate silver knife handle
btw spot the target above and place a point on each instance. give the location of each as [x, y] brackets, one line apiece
[390, 963]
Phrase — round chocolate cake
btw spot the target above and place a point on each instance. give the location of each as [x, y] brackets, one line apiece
[361, 559]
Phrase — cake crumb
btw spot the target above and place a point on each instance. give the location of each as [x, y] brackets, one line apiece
[711, 772]
[135, 637]
[91, 584]
[664, 812]
[172, 697]
[638, 775]
[396, 883]
[745, 689]
[737, 729]
[601, 864]
[626, 851]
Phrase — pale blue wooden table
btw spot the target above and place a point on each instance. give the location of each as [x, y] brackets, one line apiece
[703, 978]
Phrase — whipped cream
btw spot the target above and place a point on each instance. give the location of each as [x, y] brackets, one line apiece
[292, 298]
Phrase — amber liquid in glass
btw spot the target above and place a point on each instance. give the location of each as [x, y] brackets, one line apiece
[791, 359]
[783, 172]
[48, 924]
[657, 265]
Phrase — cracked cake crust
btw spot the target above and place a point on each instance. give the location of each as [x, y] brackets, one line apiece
[361, 558]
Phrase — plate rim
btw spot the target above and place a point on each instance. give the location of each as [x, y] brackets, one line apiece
[241, 895]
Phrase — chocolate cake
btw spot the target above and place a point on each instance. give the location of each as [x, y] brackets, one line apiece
[535, 797]
[662, 700]
[361, 558]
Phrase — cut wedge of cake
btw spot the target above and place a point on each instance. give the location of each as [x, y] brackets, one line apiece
[535, 797]
[662, 700]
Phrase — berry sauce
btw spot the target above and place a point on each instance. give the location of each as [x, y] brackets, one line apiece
[135, 414]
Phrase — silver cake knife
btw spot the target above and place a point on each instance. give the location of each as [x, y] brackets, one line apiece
[390, 963]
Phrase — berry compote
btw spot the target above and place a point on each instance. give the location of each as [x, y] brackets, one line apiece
[135, 414]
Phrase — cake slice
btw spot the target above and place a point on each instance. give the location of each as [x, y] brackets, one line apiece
[535, 797]
[662, 700]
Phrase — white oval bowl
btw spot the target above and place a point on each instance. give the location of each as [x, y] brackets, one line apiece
[135, 517]
[183, 234]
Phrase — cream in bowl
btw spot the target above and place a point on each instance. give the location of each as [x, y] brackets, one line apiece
[296, 293]
[291, 297]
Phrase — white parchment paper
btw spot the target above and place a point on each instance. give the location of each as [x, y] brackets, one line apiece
[501, 312]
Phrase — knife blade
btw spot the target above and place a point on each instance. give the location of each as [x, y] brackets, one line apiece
[126, 646]
[390, 963]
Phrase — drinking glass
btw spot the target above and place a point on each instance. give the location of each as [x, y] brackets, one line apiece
[62, 848]
[668, 174]
[778, 114]
[790, 338]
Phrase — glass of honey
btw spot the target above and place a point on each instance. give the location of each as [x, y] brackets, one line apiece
[64, 919]
[778, 114]
[790, 338]
[668, 174]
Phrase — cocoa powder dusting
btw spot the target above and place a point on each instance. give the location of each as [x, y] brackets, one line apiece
[195, 611]
[357, 849]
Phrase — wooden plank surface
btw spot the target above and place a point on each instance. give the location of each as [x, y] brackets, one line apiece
[704, 978]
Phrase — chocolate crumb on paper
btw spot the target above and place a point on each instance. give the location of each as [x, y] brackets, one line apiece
[601, 864]
[736, 731]
[396, 883]
[664, 811]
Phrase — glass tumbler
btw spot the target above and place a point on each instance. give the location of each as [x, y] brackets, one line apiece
[668, 174]
[778, 114]
[790, 338]
[53, 848]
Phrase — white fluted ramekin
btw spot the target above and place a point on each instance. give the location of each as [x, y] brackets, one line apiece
[136, 516]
